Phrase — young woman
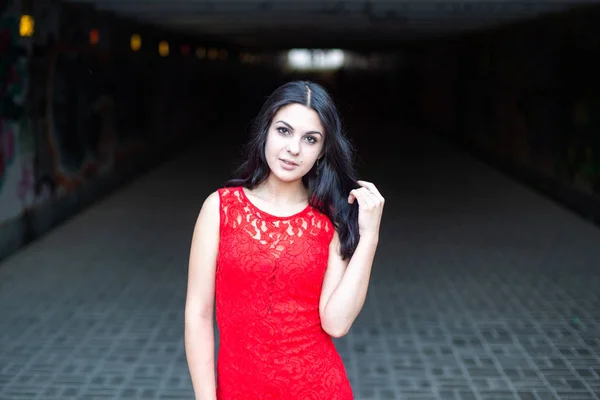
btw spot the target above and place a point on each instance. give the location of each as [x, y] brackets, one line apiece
[285, 249]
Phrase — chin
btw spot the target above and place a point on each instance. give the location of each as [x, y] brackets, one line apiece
[287, 178]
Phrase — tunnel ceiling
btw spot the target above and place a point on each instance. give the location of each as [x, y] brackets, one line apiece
[329, 23]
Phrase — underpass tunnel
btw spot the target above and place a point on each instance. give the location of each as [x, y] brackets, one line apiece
[477, 120]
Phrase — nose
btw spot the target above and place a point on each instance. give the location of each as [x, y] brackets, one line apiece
[293, 147]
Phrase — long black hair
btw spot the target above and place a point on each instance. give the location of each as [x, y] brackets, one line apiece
[330, 187]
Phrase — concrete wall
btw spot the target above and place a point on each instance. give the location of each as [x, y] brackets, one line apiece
[526, 97]
[78, 119]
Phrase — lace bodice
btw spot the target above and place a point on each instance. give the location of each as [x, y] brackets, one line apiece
[270, 271]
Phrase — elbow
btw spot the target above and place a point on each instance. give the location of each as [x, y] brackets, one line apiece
[338, 334]
[198, 316]
[335, 330]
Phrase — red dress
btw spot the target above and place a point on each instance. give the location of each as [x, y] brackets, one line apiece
[268, 283]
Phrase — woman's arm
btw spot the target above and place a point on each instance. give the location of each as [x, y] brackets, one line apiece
[199, 327]
[345, 285]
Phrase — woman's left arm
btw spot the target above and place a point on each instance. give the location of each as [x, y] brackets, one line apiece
[346, 282]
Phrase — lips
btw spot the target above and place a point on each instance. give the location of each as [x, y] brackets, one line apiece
[288, 162]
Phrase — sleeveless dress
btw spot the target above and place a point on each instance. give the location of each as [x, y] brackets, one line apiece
[268, 283]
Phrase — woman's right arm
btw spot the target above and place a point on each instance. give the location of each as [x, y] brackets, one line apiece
[199, 327]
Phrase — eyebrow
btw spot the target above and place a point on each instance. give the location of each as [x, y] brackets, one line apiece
[290, 127]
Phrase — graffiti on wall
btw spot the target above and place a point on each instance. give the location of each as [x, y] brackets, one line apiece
[80, 118]
[96, 110]
[74, 107]
[15, 142]
[71, 111]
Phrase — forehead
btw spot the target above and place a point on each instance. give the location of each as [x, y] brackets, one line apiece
[300, 117]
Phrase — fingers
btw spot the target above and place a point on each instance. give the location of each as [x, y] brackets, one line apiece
[372, 189]
[357, 194]
[363, 196]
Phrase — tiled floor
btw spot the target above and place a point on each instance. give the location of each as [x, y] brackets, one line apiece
[482, 290]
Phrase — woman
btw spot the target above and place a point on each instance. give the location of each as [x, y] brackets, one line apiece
[285, 249]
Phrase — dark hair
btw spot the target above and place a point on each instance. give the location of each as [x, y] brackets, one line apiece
[330, 188]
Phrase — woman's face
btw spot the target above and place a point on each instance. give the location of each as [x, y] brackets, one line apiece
[294, 142]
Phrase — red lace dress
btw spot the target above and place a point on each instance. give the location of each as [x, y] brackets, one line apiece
[268, 283]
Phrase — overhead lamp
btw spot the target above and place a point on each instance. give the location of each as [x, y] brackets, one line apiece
[135, 42]
[163, 48]
[94, 36]
[26, 26]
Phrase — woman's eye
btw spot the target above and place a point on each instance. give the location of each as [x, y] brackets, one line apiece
[282, 130]
[311, 140]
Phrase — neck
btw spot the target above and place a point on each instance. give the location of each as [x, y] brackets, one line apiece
[278, 192]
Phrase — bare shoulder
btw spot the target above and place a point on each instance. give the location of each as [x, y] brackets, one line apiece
[207, 222]
[210, 209]
[212, 201]
[206, 229]
[203, 259]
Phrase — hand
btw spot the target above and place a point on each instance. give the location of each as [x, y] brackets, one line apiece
[370, 208]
